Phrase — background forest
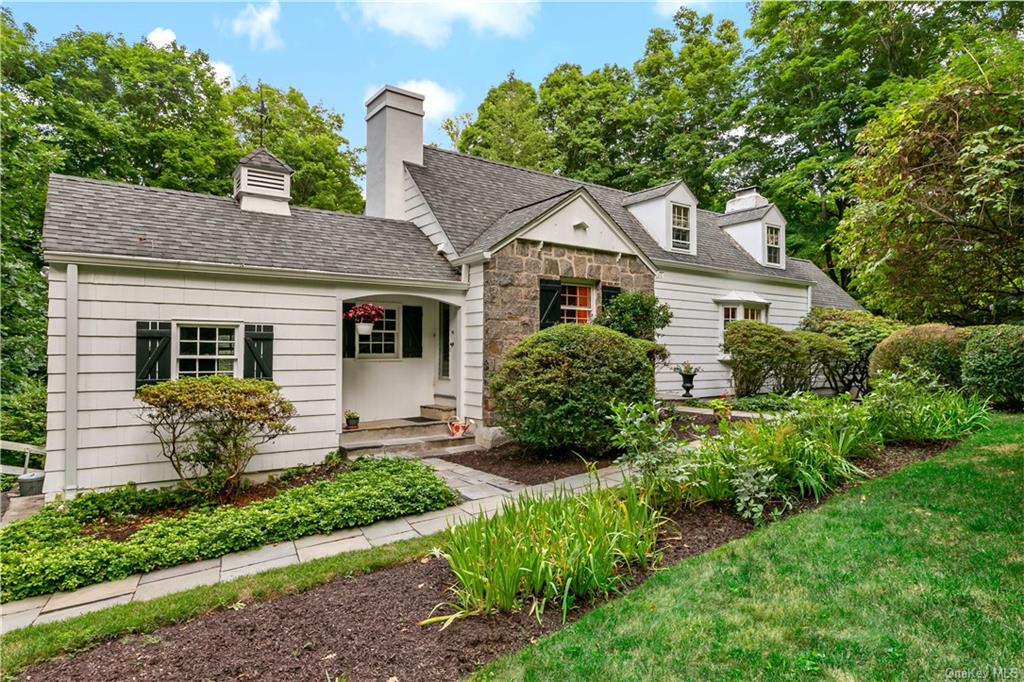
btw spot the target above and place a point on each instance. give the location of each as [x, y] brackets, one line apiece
[891, 135]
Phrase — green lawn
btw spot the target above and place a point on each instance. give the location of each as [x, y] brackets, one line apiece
[906, 577]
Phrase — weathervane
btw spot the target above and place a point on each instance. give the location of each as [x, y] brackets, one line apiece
[263, 113]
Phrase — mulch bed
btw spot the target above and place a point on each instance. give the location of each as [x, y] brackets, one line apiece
[366, 627]
[512, 462]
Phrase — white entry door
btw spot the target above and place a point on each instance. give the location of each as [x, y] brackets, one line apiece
[447, 351]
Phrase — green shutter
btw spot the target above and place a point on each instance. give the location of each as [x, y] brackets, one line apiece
[412, 331]
[550, 307]
[259, 351]
[348, 333]
[608, 293]
[152, 352]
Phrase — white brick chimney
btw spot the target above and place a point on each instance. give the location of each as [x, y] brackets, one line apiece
[394, 135]
[745, 198]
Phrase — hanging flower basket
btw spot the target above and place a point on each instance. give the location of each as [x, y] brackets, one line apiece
[364, 316]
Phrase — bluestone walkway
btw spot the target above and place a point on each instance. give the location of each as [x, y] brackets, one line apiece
[483, 494]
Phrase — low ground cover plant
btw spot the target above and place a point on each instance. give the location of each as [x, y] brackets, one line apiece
[553, 389]
[560, 550]
[993, 364]
[936, 348]
[47, 551]
[209, 427]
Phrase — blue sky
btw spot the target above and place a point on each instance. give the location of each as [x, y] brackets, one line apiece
[452, 51]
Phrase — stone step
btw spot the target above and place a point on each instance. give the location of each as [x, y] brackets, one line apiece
[439, 412]
[370, 433]
[426, 446]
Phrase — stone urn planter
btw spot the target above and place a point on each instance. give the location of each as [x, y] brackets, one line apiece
[688, 372]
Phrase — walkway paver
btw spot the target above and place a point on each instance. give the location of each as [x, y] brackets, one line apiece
[482, 493]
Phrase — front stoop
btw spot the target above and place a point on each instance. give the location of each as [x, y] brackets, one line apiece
[439, 412]
[483, 494]
[402, 438]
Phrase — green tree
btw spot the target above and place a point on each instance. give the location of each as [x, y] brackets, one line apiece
[937, 231]
[308, 137]
[95, 105]
[691, 97]
[818, 72]
[593, 123]
[508, 128]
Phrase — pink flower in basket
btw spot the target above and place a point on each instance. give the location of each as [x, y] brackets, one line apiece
[367, 313]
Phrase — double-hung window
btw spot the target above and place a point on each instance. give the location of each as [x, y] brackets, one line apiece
[681, 234]
[750, 313]
[577, 303]
[207, 349]
[382, 342]
[729, 315]
[773, 241]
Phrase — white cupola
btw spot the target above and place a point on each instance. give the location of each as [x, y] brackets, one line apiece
[263, 183]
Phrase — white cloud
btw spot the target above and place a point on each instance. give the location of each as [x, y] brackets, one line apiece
[223, 71]
[668, 8]
[258, 25]
[438, 101]
[161, 37]
[431, 22]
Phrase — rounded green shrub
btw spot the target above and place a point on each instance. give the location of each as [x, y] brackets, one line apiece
[933, 347]
[754, 349]
[635, 313]
[860, 332]
[993, 363]
[555, 388]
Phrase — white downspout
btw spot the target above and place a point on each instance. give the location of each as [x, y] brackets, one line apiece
[71, 385]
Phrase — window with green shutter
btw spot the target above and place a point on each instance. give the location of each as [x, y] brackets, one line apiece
[258, 362]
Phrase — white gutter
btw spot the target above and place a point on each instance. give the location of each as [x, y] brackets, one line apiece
[245, 270]
[736, 274]
[473, 258]
[71, 383]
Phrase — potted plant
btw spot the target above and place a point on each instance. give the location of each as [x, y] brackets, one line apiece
[687, 372]
[364, 315]
[351, 419]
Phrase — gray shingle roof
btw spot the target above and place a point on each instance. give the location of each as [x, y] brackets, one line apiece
[511, 222]
[261, 157]
[737, 217]
[826, 293]
[469, 194]
[106, 218]
[648, 194]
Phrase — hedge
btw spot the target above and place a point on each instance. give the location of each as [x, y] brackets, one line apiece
[993, 363]
[860, 332]
[934, 347]
[555, 388]
[47, 552]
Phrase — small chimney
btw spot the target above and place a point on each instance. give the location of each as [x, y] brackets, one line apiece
[745, 198]
[263, 183]
[394, 135]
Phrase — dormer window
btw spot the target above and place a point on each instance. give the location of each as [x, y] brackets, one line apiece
[682, 237]
[773, 244]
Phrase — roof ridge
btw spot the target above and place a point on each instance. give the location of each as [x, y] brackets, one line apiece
[473, 157]
[539, 201]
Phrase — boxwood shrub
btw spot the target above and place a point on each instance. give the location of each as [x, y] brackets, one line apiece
[936, 348]
[993, 364]
[555, 388]
[47, 552]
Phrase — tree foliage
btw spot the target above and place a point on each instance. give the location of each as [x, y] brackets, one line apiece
[96, 105]
[635, 313]
[938, 230]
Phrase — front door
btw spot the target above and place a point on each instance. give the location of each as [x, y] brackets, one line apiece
[447, 354]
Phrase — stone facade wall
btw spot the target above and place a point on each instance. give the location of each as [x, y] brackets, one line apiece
[512, 291]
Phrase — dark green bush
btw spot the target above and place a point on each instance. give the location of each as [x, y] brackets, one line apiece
[209, 427]
[555, 388]
[936, 348]
[860, 332]
[754, 349]
[47, 552]
[635, 313]
[993, 364]
[23, 419]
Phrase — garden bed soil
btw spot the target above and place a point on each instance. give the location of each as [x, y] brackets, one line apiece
[530, 468]
[366, 627]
